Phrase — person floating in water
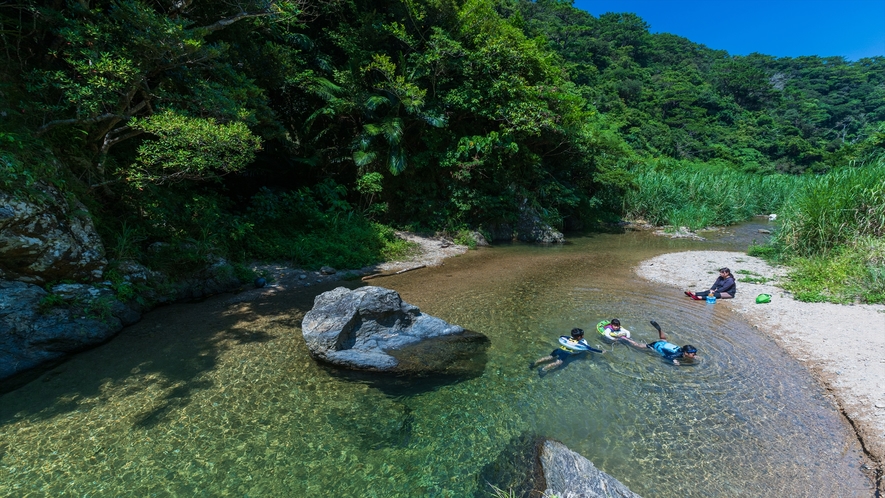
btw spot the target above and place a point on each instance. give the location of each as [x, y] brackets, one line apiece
[668, 350]
[612, 330]
[723, 288]
[574, 345]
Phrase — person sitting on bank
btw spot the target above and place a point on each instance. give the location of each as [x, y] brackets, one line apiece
[612, 330]
[667, 350]
[569, 347]
[723, 288]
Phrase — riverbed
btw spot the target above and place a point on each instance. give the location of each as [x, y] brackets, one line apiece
[217, 399]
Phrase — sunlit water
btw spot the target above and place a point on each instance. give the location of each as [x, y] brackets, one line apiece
[204, 400]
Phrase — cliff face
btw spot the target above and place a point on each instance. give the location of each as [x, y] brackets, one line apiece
[52, 239]
[47, 240]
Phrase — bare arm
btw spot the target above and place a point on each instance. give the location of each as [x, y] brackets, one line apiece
[631, 342]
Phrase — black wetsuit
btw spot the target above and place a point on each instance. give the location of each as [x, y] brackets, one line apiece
[721, 285]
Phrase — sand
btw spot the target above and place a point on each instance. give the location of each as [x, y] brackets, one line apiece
[842, 345]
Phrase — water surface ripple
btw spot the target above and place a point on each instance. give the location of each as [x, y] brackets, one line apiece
[203, 400]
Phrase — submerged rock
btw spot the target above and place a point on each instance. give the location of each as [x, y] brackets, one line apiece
[371, 328]
[569, 474]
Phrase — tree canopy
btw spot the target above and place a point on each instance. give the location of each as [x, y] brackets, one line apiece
[433, 113]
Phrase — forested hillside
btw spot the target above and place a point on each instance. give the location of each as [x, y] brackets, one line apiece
[291, 129]
[671, 97]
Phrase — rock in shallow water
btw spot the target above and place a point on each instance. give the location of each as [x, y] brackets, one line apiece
[569, 474]
[371, 328]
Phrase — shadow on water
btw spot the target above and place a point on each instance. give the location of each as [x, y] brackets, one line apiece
[168, 355]
[515, 470]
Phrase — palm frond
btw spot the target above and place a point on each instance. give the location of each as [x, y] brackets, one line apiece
[324, 88]
[362, 158]
[393, 130]
[397, 160]
[376, 101]
[435, 121]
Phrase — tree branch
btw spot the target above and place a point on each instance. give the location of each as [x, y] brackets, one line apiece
[59, 122]
[223, 23]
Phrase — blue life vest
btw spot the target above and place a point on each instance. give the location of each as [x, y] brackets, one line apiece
[667, 350]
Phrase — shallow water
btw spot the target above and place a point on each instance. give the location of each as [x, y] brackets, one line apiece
[203, 400]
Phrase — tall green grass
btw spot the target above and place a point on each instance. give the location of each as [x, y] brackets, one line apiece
[833, 236]
[834, 210]
[695, 195]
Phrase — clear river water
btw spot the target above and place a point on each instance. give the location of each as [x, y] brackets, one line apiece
[206, 399]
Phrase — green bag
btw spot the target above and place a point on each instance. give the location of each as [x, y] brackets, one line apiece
[763, 298]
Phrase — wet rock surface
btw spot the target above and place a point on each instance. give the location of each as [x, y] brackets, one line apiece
[531, 228]
[372, 328]
[48, 239]
[567, 473]
[31, 334]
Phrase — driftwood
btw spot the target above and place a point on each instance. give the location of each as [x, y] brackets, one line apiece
[378, 275]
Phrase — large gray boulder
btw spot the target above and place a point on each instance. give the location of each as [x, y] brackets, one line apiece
[48, 239]
[372, 329]
[36, 330]
[569, 475]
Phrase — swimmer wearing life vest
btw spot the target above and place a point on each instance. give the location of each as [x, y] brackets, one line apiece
[668, 350]
[569, 346]
[611, 330]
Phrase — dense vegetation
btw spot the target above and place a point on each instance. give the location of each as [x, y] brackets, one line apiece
[304, 130]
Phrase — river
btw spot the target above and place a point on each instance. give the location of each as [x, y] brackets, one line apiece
[206, 399]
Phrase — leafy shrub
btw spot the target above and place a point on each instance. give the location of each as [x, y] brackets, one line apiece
[465, 238]
[312, 228]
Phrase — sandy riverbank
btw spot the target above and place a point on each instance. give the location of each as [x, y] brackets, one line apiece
[843, 346]
[429, 251]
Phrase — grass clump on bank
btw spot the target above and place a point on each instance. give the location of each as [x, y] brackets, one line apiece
[832, 234]
[698, 195]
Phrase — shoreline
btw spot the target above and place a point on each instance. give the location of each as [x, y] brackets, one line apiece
[843, 346]
[848, 364]
[431, 250]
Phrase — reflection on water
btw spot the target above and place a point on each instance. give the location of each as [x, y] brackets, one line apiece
[202, 400]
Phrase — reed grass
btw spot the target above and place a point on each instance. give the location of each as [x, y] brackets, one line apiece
[833, 210]
[697, 195]
[832, 234]
[831, 227]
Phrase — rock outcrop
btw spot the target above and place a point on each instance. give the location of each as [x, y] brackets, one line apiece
[39, 326]
[532, 228]
[34, 331]
[568, 474]
[372, 329]
[50, 240]
[499, 232]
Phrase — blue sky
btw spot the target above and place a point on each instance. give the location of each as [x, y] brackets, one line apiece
[783, 28]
